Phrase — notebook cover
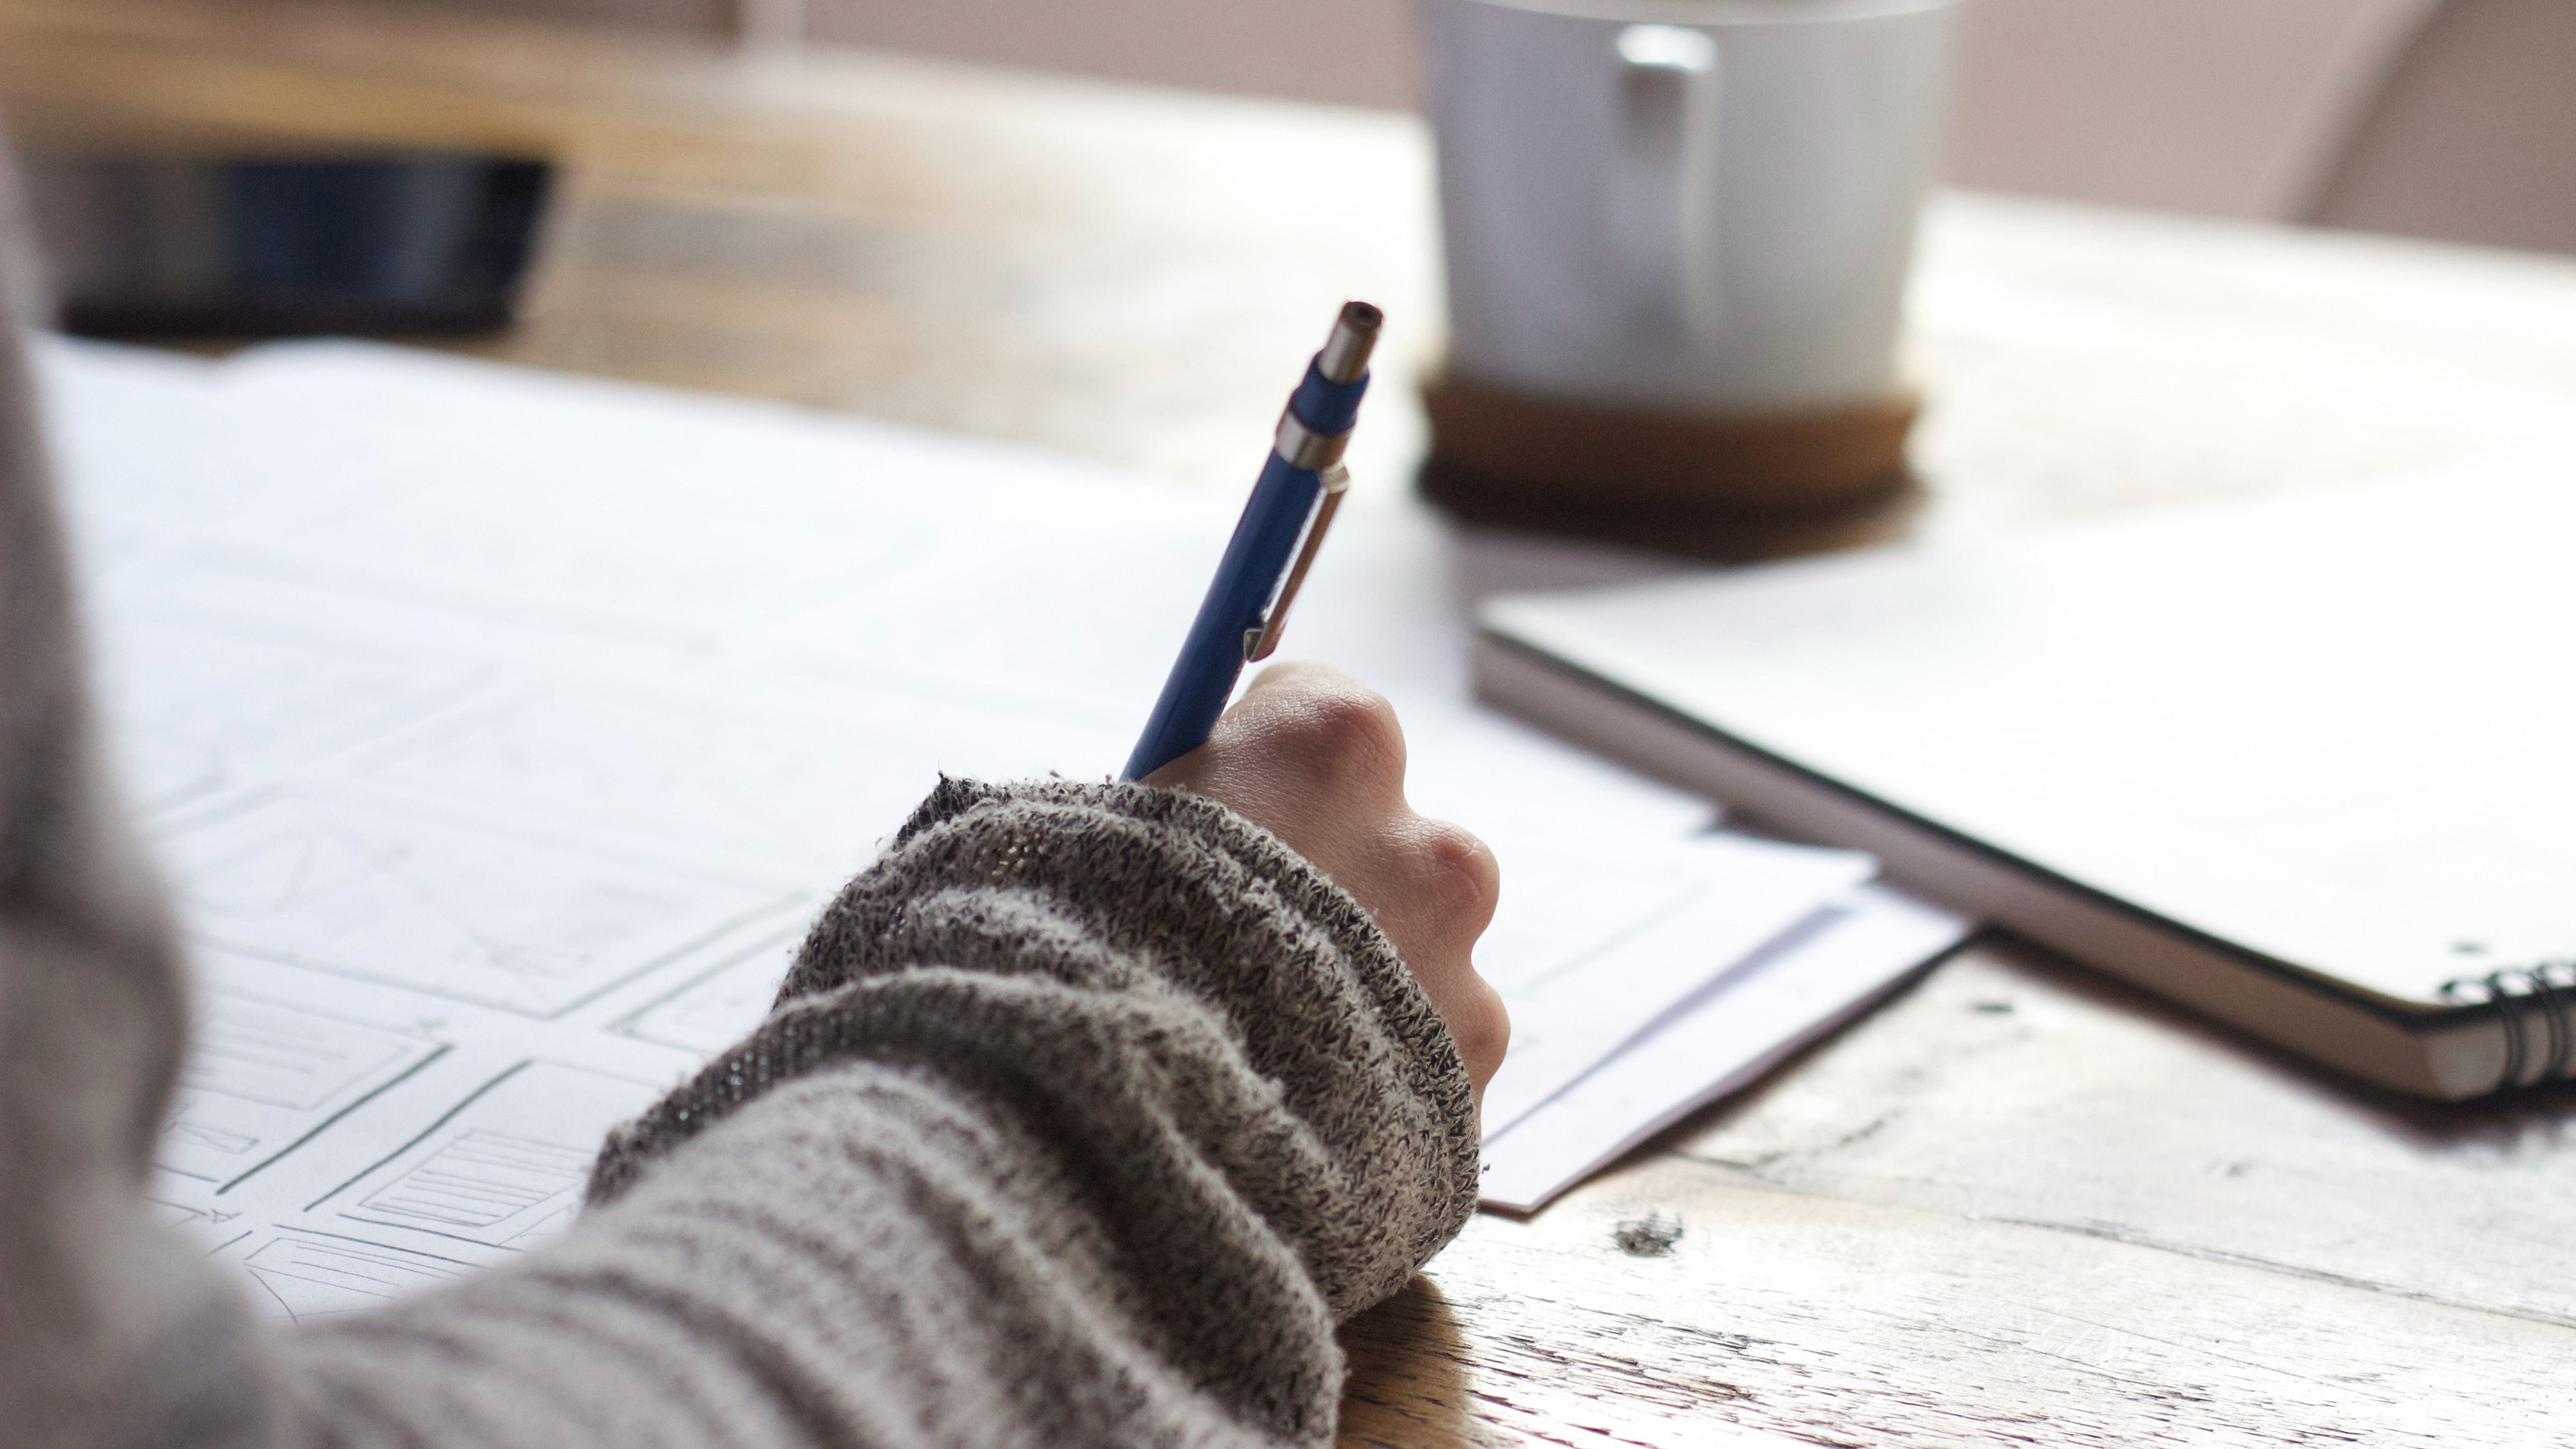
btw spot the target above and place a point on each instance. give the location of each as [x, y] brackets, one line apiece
[2333, 729]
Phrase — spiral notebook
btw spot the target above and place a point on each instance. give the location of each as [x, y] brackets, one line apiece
[2308, 765]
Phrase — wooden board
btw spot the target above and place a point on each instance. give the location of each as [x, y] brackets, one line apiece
[2018, 1205]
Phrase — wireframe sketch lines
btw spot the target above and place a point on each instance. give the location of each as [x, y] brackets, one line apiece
[481, 1179]
[506, 1168]
[461, 911]
[718, 774]
[261, 1077]
[195, 706]
[285, 1056]
[721, 1007]
[307, 1275]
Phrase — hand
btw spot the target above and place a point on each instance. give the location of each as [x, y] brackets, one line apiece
[1318, 761]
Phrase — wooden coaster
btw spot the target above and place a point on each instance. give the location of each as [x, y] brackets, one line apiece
[1717, 485]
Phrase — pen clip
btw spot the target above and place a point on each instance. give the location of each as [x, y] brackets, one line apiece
[1259, 643]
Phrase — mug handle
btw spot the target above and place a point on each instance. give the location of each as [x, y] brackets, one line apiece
[1661, 186]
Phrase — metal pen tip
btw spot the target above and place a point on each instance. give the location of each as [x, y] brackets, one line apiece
[1346, 353]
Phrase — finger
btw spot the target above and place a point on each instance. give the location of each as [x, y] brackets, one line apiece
[1295, 715]
[1325, 728]
[1482, 1027]
[1470, 1007]
[1442, 885]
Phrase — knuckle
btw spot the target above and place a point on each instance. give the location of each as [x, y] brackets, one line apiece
[1483, 1030]
[1456, 873]
[1349, 729]
[1480, 1025]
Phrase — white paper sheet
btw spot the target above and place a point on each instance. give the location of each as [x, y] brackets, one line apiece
[1607, 943]
[1810, 980]
[500, 732]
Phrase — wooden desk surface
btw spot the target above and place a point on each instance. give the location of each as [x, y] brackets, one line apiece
[2020, 1203]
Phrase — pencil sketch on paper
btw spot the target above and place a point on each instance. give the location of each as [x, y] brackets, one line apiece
[197, 705]
[720, 1008]
[457, 911]
[721, 777]
[481, 1180]
[262, 1076]
[214, 1228]
[306, 1275]
[505, 1170]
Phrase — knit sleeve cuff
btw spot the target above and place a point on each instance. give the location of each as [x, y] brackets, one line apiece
[1166, 984]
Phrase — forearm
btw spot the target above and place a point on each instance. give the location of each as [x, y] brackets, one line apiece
[1089, 1112]
[857, 1257]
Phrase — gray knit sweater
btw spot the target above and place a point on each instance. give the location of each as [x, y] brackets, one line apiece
[1082, 1118]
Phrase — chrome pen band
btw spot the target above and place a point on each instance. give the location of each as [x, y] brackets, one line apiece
[1305, 448]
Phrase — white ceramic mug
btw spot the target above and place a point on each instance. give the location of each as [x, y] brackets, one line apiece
[1683, 205]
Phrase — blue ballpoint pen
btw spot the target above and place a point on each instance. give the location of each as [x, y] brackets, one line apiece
[1247, 603]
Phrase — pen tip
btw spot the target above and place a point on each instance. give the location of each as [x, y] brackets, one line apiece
[1346, 352]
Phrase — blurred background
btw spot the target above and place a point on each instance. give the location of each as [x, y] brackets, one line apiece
[2440, 118]
[2178, 258]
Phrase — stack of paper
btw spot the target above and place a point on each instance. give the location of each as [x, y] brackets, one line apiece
[1735, 1025]
[501, 731]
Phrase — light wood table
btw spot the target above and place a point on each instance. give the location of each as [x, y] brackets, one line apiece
[2018, 1205]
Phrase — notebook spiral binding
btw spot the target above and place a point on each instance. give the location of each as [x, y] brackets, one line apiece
[2546, 990]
